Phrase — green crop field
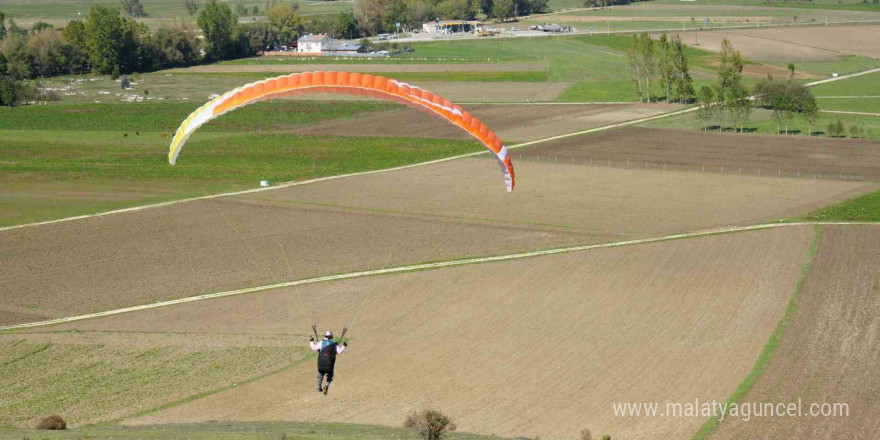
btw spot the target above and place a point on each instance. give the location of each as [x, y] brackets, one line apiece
[843, 66]
[856, 94]
[412, 77]
[865, 208]
[862, 85]
[89, 157]
[98, 378]
[860, 105]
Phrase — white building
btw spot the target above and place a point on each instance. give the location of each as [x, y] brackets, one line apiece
[322, 44]
[313, 43]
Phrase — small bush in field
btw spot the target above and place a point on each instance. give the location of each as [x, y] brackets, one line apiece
[586, 434]
[429, 424]
[53, 422]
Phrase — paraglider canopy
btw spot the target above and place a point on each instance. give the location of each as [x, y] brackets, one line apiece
[345, 83]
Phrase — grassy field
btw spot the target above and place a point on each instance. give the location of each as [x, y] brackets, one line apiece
[84, 162]
[864, 209]
[167, 116]
[103, 376]
[233, 431]
[763, 122]
[157, 10]
[861, 105]
[412, 77]
[863, 85]
[845, 65]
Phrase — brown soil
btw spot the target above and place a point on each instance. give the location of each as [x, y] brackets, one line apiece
[829, 352]
[492, 92]
[513, 123]
[812, 43]
[475, 92]
[443, 211]
[663, 322]
[679, 148]
[11, 317]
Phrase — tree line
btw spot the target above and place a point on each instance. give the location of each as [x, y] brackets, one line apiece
[378, 16]
[729, 99]
[112, 42]
[665, 61]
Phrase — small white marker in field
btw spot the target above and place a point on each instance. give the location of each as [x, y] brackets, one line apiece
[265, 184]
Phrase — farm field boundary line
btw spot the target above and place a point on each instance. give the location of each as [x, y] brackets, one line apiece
[427, 266]
[340, 176]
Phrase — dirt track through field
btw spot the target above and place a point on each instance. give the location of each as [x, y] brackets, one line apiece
[812, 43]
[679, 148]
[444, 211]
[829, 352]
[537, 347]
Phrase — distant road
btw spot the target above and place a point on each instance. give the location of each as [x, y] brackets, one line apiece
[816, 83]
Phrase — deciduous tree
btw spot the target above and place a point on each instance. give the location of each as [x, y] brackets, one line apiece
[666, 65]
[219, 26]
[133, 8]
[104, 40]
[192, 6]
[684, 84]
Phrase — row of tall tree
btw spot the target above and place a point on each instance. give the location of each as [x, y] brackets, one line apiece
[665, 61]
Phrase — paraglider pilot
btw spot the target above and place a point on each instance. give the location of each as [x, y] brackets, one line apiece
[327, 350]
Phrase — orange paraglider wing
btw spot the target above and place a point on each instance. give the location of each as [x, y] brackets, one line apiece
[345, 83]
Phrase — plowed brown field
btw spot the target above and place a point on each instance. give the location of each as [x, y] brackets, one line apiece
[830, 352]
[513, 123]
[812, 43]
[444, 211]
[790, 154]
[536, 347]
